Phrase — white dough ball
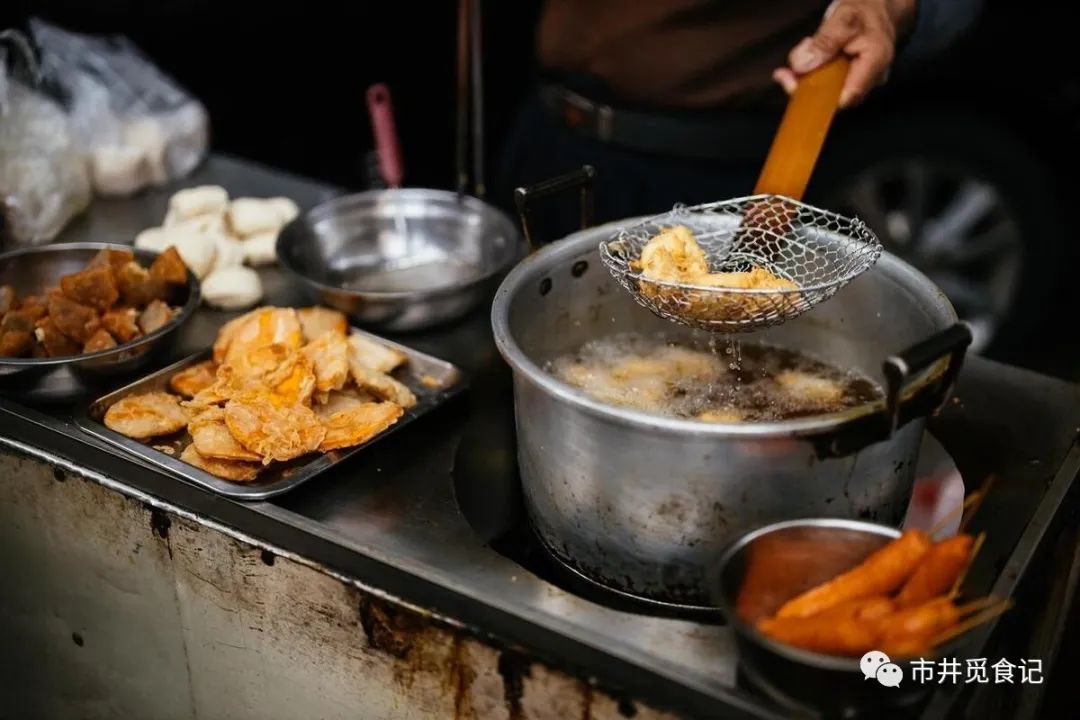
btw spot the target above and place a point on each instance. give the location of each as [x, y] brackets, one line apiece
[153, 239]
[285, 208]
[250, 216]
[261, 249]
[202, 200]
[230, 253]
[232, 288]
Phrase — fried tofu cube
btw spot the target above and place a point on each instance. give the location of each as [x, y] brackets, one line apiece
[156, 315]
[168, 268]
[75, 320]
[16, 343]
[100, 340]
[122, 323]
[34, 307]
[18, 320]
[54, 342]
[111, 257]
[95, 287]
[137, 288]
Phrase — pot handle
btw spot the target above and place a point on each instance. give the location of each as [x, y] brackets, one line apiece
[900, 370]
[904, 400]
[581, 178]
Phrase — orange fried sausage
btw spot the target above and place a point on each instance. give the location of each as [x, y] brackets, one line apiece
[937, 572]
[849, 628]
[882, 573]
[909, 632]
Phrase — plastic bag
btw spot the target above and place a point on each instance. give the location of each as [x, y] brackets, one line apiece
[135, 124]
[43, 176]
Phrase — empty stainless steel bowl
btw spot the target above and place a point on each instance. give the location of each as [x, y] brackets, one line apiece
[401, 260]
[30, 271]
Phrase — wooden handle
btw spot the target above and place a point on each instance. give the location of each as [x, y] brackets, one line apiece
[802, 131]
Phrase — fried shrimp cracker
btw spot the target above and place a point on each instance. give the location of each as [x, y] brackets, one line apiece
[329, 356]
[146, 416]
[358, 423]
[274, 433]
[234, 470]
[212, 438]
[192, 380]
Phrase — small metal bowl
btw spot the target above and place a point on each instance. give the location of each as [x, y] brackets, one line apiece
[401, 260]
[809, 552]
[30, 271]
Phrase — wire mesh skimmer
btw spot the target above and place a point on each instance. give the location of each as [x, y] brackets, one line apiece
[816, 250]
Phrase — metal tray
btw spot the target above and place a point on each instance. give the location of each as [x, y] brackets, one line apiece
[443, 381]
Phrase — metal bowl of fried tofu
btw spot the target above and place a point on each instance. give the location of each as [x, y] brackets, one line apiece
[74, 314]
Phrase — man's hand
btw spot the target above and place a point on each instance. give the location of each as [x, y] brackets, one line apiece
[866, 31]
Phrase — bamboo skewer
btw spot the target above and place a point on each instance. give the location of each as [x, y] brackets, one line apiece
[981, 495]
[987, 614]
[955, 590]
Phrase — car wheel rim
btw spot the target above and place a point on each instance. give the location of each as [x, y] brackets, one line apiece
[951, 225]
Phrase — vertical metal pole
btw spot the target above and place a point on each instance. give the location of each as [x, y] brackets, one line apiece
[462, 129]
[477, 51]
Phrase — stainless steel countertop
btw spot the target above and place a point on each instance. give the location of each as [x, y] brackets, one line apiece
[389, 518]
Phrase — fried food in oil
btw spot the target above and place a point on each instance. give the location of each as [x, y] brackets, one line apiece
[212, 438]
[329, 357]
[674, 256]
[100, 340]
[358, 424]
[380, 384]
[810, 389]
[374, 355]
[235, 470]
[146, 416]
[318, 320]
[122, 323]
[192, 380]
[94, 287]
[275, 433]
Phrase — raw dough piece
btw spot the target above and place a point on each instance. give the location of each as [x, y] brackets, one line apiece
[203, 200]
[261, 248]
[232, 288]
[248, 216]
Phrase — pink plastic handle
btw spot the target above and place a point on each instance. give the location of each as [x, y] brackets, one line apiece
[387, 147]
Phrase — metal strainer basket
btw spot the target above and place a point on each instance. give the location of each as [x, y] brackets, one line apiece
[819, 251]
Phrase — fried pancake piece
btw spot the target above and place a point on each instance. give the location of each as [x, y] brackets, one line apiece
[109, 257]
[341, 400]
[329, 357]
[275, 433]
[228, 332]
[95, 287]
[75, 320]
[212, 438]
[380, 384]
[122, 323]
[192, 380]
[168, 268]
[234, 470]
[267, 326]
[358, 424]
[101, 340]
[146, 416]
[375, 355]
[316, 321]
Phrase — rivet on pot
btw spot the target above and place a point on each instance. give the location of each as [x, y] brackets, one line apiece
[579, 268]
[545, 286]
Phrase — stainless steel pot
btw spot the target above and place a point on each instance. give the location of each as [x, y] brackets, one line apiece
[643, 503]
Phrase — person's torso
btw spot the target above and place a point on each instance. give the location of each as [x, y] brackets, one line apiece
[676, 53]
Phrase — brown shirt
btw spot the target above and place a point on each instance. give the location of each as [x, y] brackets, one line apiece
[676, 53]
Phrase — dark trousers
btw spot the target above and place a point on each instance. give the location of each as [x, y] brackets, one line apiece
[629, 182]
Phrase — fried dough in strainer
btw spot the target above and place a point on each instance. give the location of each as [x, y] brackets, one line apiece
[275, 433]
[146, 416]
[234, 470]
[212, 438]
